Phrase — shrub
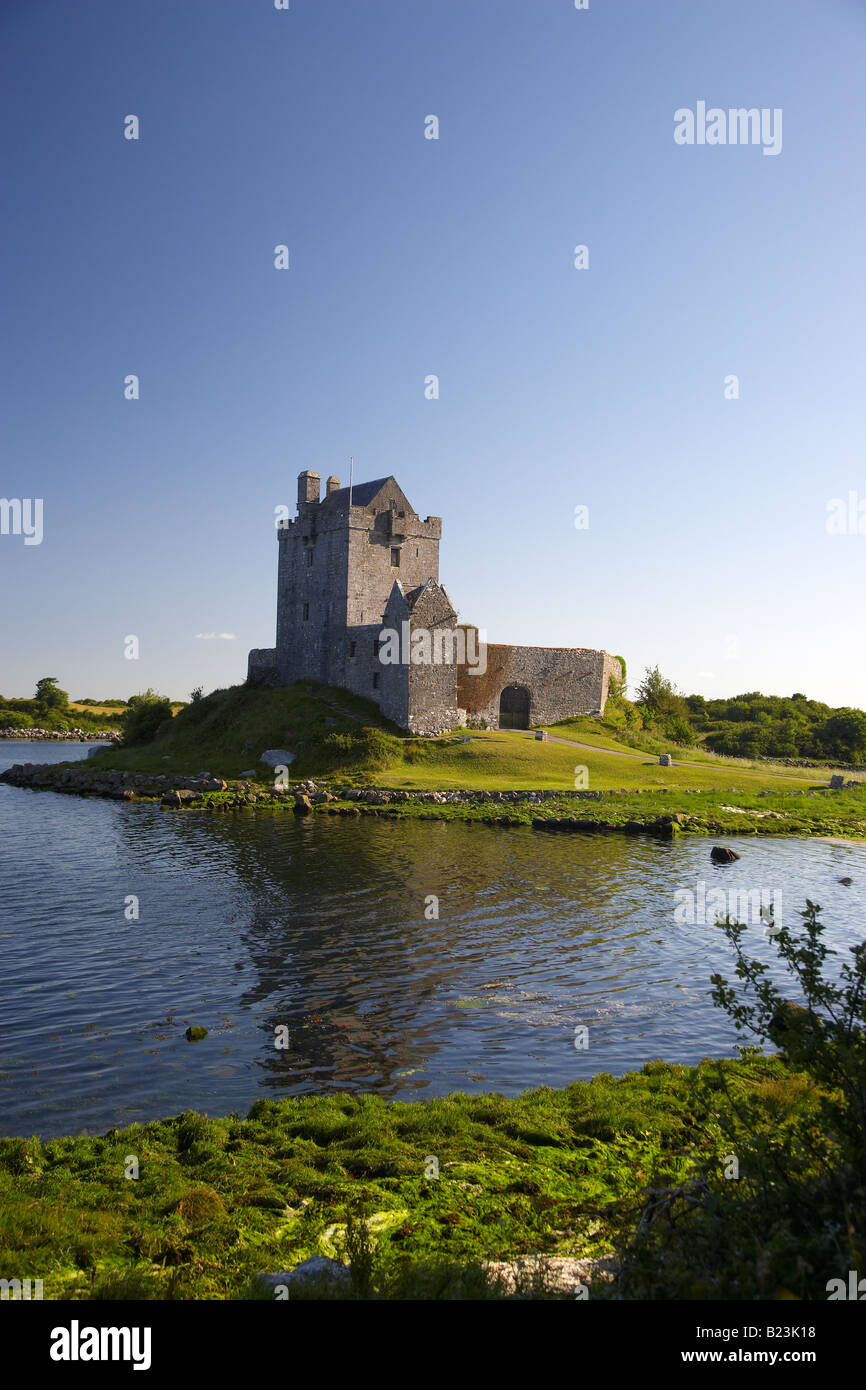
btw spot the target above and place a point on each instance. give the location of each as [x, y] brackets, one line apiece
[795, 1217]
[144, 717]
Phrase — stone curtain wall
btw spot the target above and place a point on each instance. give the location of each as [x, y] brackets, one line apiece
[262, 666]
[562, 681]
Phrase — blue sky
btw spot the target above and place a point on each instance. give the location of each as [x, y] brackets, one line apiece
[707, 549]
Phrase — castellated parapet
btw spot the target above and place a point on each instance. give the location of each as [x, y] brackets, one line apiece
[359, 605]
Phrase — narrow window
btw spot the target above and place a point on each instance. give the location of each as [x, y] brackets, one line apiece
[375, 680]
[306, 611]
[395, 555]
[309, 557]
[351, 649]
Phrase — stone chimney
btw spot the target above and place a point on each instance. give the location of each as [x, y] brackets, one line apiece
[332, 485]
[309, 484]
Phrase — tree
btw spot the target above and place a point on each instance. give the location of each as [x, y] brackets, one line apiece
[49, 697]
[843, 735]
[657, 694]
[144, 716]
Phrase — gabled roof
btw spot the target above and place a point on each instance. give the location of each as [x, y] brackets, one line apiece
[362, 494]
[412, 595]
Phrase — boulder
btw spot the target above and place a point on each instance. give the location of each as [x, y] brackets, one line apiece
[318, 1269]
[179, 798]
[277, 757]
[665, 760]
[302, 804]
[837, 782]
[720, 854]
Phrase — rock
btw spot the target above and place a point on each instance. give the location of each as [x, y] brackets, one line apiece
[791, 1023]
[277, 757]
[837, 783]
[303, 806]
[317, 1269]
[195, 1034]
[179, 798]
[665, 760]
[720, 854]
[552, 1272]
[250, 772]
[846, 882]
[541, 735]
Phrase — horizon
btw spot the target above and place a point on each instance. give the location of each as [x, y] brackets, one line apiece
[725, 533]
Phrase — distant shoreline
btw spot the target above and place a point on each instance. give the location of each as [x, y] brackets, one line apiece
[59, 735]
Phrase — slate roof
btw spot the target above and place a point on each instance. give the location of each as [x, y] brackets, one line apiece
[362, 494]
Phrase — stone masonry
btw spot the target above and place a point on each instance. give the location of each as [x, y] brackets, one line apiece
[359, 605]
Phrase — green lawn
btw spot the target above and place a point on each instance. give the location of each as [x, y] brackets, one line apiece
[602, 735]
[503, 760]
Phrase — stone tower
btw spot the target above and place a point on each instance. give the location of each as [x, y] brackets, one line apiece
[336, 570]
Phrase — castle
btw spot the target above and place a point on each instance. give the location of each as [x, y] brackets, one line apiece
[359, 605]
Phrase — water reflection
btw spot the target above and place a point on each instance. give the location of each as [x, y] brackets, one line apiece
[250, 921]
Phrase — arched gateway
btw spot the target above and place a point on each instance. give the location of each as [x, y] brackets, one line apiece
[514, 707]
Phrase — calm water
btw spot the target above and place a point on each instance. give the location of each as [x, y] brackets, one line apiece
[252, 921]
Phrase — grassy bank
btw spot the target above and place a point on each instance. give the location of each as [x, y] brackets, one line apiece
[554, 1172]
[338, 739]
[332, 733]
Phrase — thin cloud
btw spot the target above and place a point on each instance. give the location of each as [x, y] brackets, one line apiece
[217, 636]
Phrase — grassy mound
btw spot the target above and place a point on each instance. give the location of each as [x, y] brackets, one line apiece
[226, 732]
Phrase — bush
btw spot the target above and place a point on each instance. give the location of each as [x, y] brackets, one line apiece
[794, 1221]
[144, 717]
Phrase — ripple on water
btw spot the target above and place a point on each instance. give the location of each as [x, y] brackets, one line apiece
[246, 922]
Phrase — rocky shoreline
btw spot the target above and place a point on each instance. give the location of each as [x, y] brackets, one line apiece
[214, 793]
[205, 792]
